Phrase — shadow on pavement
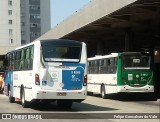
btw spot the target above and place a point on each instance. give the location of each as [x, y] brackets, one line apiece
[129, 97]
[77, 107]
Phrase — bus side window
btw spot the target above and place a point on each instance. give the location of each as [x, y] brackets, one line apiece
[15, 61]
[5, 63]
[91, 67]
[27, 58]
[21, 63]
[108, 66]
[112, 65]
[95, 67]
[12, 61]
[22, 60]
[101, 63]
[18, 59]
[31, 57]
[108, 62]
[105, 66]
[88, 64]
[115, 64]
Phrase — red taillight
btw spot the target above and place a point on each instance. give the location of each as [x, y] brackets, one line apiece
[37, 81]
[85, 81]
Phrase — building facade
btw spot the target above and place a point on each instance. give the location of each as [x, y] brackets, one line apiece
[22, 21]
[10, 25]
[35, 19]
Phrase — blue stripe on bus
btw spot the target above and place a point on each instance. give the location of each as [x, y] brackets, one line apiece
[73, 79]
[8, 81]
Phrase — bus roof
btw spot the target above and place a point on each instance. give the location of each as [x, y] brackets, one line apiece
[104, 56]
[61, 41]
[115, 55]
[64, 41]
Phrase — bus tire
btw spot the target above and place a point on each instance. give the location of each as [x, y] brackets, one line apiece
[11, 99]
[103, 92]
[25, 104]
[64, 104]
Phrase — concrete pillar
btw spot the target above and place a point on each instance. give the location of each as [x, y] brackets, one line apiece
[100, 47]
[128, 41]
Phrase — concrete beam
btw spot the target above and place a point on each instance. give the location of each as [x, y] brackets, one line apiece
[96, 10]
[5, 49]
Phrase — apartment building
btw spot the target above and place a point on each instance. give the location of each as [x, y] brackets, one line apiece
[35, 19]
[10, 25]
[22, 21]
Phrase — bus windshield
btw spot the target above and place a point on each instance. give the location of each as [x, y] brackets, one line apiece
[136, 61]
[61, 53]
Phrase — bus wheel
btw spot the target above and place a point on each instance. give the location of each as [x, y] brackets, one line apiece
[103, 92]
[25, 104]
[11, 99]
[64, 104]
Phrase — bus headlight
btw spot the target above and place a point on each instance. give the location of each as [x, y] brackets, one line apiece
[137, 76]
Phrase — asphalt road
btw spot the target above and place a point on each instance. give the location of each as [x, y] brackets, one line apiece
[94, 108]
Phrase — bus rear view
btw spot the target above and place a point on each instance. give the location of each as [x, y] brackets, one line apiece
[62, 75]
[137, 74]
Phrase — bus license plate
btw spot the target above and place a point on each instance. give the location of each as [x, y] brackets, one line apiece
[61, 94]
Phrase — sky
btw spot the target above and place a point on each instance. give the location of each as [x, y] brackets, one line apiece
[62, 9]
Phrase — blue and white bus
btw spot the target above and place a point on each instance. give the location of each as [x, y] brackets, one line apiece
[47, 70]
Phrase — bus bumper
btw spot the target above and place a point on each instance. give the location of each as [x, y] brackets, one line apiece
[77, 95]
[128, 89]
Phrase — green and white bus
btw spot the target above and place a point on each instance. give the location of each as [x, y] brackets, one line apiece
[120, 72]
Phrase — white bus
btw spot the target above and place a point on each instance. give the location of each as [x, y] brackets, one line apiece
[127, 72]
[47, 70]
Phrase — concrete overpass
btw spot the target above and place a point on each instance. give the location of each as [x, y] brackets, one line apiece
[113, 25]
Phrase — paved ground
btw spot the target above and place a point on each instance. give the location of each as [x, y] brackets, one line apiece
[94, 108]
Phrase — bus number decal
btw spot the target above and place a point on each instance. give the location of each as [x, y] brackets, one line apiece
[74, 78]
[76, 72]
[130, 76]
[143, 79]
